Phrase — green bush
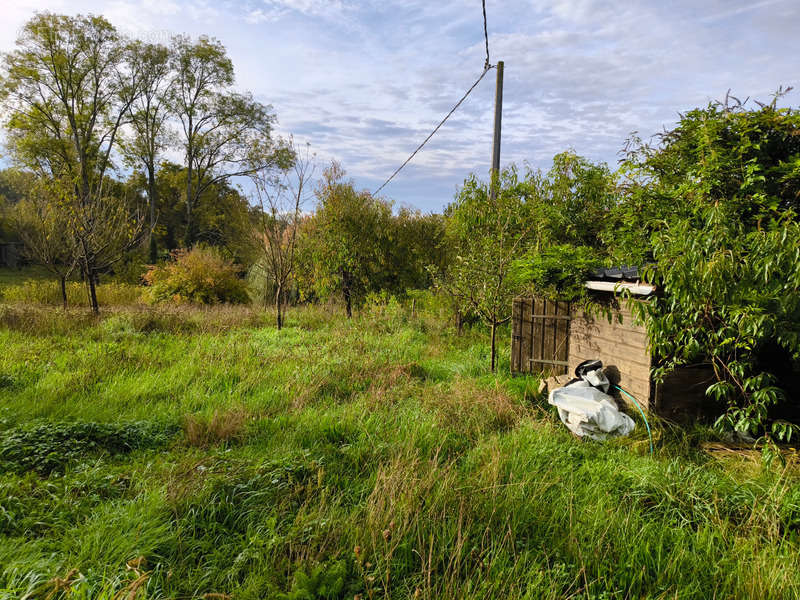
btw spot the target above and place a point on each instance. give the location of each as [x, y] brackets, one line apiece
[201, 276]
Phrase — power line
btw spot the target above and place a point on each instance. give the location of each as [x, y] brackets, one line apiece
[447, 116]
[486, 68]
[485, 33]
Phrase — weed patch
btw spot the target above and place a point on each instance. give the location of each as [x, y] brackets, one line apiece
[50, 447]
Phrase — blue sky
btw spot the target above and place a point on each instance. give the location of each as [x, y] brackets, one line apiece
[365, 81]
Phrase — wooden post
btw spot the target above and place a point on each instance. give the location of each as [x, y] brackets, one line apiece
[498, 116]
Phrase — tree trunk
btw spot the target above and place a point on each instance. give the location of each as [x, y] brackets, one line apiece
[188, 238]
[348, 302]
[64, 291]
[152, 194]
[91, 283]
[494, 335]
[93, 293]
[459, 322]
[278, 298]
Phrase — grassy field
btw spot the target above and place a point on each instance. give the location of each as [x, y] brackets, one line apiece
[203, 454]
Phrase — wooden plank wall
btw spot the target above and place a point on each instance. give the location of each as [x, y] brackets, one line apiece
[622, 346]
[539, 331]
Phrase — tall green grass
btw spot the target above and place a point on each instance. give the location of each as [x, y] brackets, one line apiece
[372, 458]
[48, 292]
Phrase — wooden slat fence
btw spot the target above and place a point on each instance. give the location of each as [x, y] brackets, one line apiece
[540, 336]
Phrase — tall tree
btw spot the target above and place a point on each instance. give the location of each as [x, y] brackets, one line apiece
[715, 209]
[149, 135]
[224, 134]
[67, 89]
[280, 200]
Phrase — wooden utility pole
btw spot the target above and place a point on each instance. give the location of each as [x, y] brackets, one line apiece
[498, 116]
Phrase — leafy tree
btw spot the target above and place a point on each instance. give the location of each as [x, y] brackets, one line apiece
[149, 131]
[41, 220]
[582, 194]
[222, 216]
[280, 200]
[715, 207]
[67, 89]
[344, 244]
[12, 182]
[416, 242]
[224, 134]
[488, 232]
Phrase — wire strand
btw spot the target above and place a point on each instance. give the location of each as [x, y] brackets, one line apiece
[485, 33]
[442, 122]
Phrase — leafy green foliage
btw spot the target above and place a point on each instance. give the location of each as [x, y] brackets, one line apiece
[486, 233]
[354, 245]
[324, 582]
[50, 447]
[201, 275]
[66, 89]
[580, 196]
[557, 272]
[716, 208]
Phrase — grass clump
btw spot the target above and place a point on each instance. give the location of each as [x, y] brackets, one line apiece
[220, 428]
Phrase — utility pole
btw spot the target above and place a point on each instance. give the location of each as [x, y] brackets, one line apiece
[498, 116]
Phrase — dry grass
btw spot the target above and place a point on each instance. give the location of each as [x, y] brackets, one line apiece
[474, 410]
[142, 319]
[220, 428]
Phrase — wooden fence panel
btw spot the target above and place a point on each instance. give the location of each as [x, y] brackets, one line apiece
[540, 336]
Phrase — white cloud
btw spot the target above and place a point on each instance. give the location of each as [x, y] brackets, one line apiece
[365, 81]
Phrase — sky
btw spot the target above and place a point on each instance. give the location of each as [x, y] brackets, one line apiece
[365, 81]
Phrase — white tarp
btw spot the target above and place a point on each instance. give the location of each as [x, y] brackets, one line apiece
[587, 411]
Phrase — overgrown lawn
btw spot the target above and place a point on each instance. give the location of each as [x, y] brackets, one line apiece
[180, 453]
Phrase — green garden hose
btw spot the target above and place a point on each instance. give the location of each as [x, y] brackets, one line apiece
[646, 424]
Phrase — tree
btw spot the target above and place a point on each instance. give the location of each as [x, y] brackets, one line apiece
[222, 217]
[40, 219]
[715, 207]
[148, 121]
[67, 89]
[224, 134]
[344, 244]
[415, 243]
[487, 233]
[582, 194]
[280, 200]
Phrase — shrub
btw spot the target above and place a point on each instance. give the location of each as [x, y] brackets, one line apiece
[201, 275]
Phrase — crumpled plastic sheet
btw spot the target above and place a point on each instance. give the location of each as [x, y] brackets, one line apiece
[588, 411]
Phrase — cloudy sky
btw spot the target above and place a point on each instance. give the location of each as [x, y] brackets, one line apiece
[365, 81]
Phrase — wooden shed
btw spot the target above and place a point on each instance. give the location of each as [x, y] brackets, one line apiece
[552, 338]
